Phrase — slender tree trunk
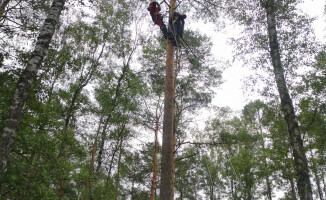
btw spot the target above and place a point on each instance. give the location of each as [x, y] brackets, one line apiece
[195, 187]
[294, 194]
[3, 5]
[153, 186]
[117, 179]
[301, 164]
[63, 151]
[323, 174]
[167, 168]
[232, 187]
[211, 182]
[114, 103]
[268, 183]
[23, 87]
[269, 189]
[320, 191]
[91, 170]
[231, 183]
[112, 161]
[324, 182]
[315, 171]
[103, 139]
[118, 147]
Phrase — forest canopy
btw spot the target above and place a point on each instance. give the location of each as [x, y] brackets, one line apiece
[83, 101]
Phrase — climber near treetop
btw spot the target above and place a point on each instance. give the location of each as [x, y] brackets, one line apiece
[176, 23]
[154, 9]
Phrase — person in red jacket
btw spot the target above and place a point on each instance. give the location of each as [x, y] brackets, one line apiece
[154, 9]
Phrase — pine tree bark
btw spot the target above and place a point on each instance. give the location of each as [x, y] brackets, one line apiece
[301, 164]
[23, 87]
[167, 164]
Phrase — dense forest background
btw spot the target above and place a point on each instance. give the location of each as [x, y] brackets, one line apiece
[92, 121]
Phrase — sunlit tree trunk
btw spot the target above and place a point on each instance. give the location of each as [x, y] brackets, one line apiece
[23, 87]
[167, 164]
[301, 164]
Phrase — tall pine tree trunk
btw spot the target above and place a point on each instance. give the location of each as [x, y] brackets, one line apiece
[301, 164]
[23, 87]
[167, 164]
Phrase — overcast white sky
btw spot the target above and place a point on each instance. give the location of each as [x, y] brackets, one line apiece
[230, 93]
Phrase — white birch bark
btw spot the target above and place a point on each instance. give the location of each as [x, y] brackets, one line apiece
[23, 87]
[300, 159]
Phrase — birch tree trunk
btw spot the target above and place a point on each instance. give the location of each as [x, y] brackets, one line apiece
[301, 164]
[167, 164]
[3, 5]
[23, 87]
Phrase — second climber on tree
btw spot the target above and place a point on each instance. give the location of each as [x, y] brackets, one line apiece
[154, 9]
[177, 23]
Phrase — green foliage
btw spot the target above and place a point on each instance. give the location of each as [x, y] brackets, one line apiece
[90, 74]
[7, 81]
